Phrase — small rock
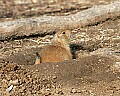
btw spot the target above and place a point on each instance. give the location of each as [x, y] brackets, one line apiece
[73, 91]
[28, 76]
[54, 77]
[34, 1]
[14, 82]
[9, 88]
[79, 91]
[60, 92]
[47, 89]
[37, 70]
[4, 81]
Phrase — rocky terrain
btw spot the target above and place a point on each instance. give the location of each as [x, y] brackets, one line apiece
[94, 70]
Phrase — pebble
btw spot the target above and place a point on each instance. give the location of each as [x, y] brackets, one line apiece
[14, 82]
[9, 88]
[60, 92]
[73, 91]
[54, 77]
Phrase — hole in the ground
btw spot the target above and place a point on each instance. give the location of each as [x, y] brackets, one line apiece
[86, 47]
[74, 48]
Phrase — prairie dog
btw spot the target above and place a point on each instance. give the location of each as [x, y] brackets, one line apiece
[58, 51]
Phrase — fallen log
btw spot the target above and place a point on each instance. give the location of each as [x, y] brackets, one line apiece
[48, 24]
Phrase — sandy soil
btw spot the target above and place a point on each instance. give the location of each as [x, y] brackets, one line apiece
[94, 70]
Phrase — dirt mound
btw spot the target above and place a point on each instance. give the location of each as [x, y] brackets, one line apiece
[63, 78]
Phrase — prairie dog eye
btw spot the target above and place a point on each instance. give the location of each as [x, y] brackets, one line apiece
[63, 32]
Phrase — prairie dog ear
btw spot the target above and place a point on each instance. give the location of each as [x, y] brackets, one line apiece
[55, 38]
[58, 34]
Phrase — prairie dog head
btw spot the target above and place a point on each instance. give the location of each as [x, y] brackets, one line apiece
[62, 38]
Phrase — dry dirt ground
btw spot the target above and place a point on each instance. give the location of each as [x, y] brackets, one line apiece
[94, 70]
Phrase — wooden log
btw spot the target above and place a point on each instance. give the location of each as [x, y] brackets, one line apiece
[47, 24]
